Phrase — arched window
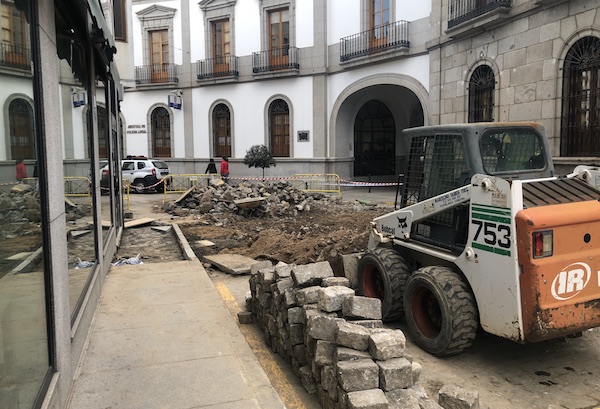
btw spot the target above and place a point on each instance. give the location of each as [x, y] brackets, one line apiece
[161, 133]
[374, 140]
[481, 95]
[221, 119]
[279, 126]
[580, 125]
[20, 114]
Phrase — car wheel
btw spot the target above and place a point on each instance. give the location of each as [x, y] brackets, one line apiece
[139, 186]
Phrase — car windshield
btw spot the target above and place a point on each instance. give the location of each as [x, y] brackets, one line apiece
[510, 150]
[160, 165]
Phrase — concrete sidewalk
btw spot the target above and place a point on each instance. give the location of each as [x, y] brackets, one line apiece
[163, 338]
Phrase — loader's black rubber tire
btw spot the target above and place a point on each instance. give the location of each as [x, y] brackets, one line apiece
[382, 274]
[440, 311]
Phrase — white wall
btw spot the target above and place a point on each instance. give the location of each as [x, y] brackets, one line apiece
[249, 104]
[415, 67]
[247, 27]
[136, 109]
[197, 40]
[304, 23]
[343, 19]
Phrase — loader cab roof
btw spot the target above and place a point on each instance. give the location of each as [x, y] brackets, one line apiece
[511, 150]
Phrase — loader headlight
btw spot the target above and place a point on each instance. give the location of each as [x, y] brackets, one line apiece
[543, 244]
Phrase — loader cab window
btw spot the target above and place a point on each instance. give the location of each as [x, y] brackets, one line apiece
[513, 150]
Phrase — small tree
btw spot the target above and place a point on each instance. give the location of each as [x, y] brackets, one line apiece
[259, 156]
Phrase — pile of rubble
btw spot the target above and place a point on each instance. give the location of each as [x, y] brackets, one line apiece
[336, 343]
[278, 198]
[20, 204]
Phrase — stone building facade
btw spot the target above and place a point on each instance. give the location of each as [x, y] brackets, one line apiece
[520, 60]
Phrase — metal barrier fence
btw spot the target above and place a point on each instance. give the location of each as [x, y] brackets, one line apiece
[74, 186]
[325, 183]
[179, 183]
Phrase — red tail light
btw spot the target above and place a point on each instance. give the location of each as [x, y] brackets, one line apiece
[153, 172]
[543, 244]
[104, 172]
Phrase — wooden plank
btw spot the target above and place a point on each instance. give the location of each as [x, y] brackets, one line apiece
[184, 195]
[138, 222]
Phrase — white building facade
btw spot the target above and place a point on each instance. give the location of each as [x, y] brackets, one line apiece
[326, 85]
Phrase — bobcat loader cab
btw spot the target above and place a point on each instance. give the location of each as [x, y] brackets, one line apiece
[486, 236]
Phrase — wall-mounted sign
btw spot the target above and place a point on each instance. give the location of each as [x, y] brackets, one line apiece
[303, 136]
[136, 129]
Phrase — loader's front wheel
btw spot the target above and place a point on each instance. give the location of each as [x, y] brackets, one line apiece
[440, 311]
[382, 274]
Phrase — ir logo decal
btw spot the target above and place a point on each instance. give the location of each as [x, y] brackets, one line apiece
[569, 282]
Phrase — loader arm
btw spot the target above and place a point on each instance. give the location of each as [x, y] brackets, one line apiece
[398, 224]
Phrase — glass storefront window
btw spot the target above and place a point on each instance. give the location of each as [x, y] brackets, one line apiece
[24, 358]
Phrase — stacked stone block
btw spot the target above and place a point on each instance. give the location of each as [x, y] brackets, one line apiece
[333, 339]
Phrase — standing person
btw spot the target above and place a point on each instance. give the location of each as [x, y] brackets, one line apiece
[211, 168]
[21, 170]
[225, 169]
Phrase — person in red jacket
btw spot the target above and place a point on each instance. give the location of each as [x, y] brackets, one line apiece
[21, 170]
[225, 169]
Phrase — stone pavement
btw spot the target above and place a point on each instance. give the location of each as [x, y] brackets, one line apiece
[162, 337]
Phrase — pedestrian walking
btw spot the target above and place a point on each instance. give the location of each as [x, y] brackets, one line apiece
[21, 170]
[211, 168]
[225, 169]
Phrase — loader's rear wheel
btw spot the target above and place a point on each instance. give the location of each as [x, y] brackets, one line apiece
[382, 274]
[440, 311]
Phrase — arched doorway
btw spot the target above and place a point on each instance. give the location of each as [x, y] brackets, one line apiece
[374, 140]
[161, 133]
[221, 131]
[279, 126]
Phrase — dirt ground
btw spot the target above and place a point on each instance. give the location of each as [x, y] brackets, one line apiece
[563, 373]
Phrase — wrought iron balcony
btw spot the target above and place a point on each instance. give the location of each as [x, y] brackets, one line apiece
[156, 74]
[285, 58]
[461, 11]
[15, 56]
[376, 40]
[217, 67]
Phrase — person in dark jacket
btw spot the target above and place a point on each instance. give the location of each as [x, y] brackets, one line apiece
[211, 168]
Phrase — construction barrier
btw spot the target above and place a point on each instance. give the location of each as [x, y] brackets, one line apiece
[179, 183]
[324, 183]
[77, 186]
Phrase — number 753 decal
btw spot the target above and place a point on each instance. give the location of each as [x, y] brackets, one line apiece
[493, 234]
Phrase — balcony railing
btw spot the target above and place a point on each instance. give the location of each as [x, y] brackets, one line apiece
[275, 59]
[382, 38]
[15, 56]
[226, 66]
[156, 74]
[461, 11]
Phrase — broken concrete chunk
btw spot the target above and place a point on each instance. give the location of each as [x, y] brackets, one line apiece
[296, 315]
[331, 281]
[311, 274]
[387, 344]
[352, 336]
[395, 373]
[349, 354]
[402, 399]
[369, 399]
[308, 381]
[358, 307]
[321, 327]
[244, 317]
[331, 298]
[359, 375]
[455, 397]
[324, 352]
[307, 295]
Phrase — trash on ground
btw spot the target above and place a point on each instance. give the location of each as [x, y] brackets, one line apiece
[83, 264]
[131, 260]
